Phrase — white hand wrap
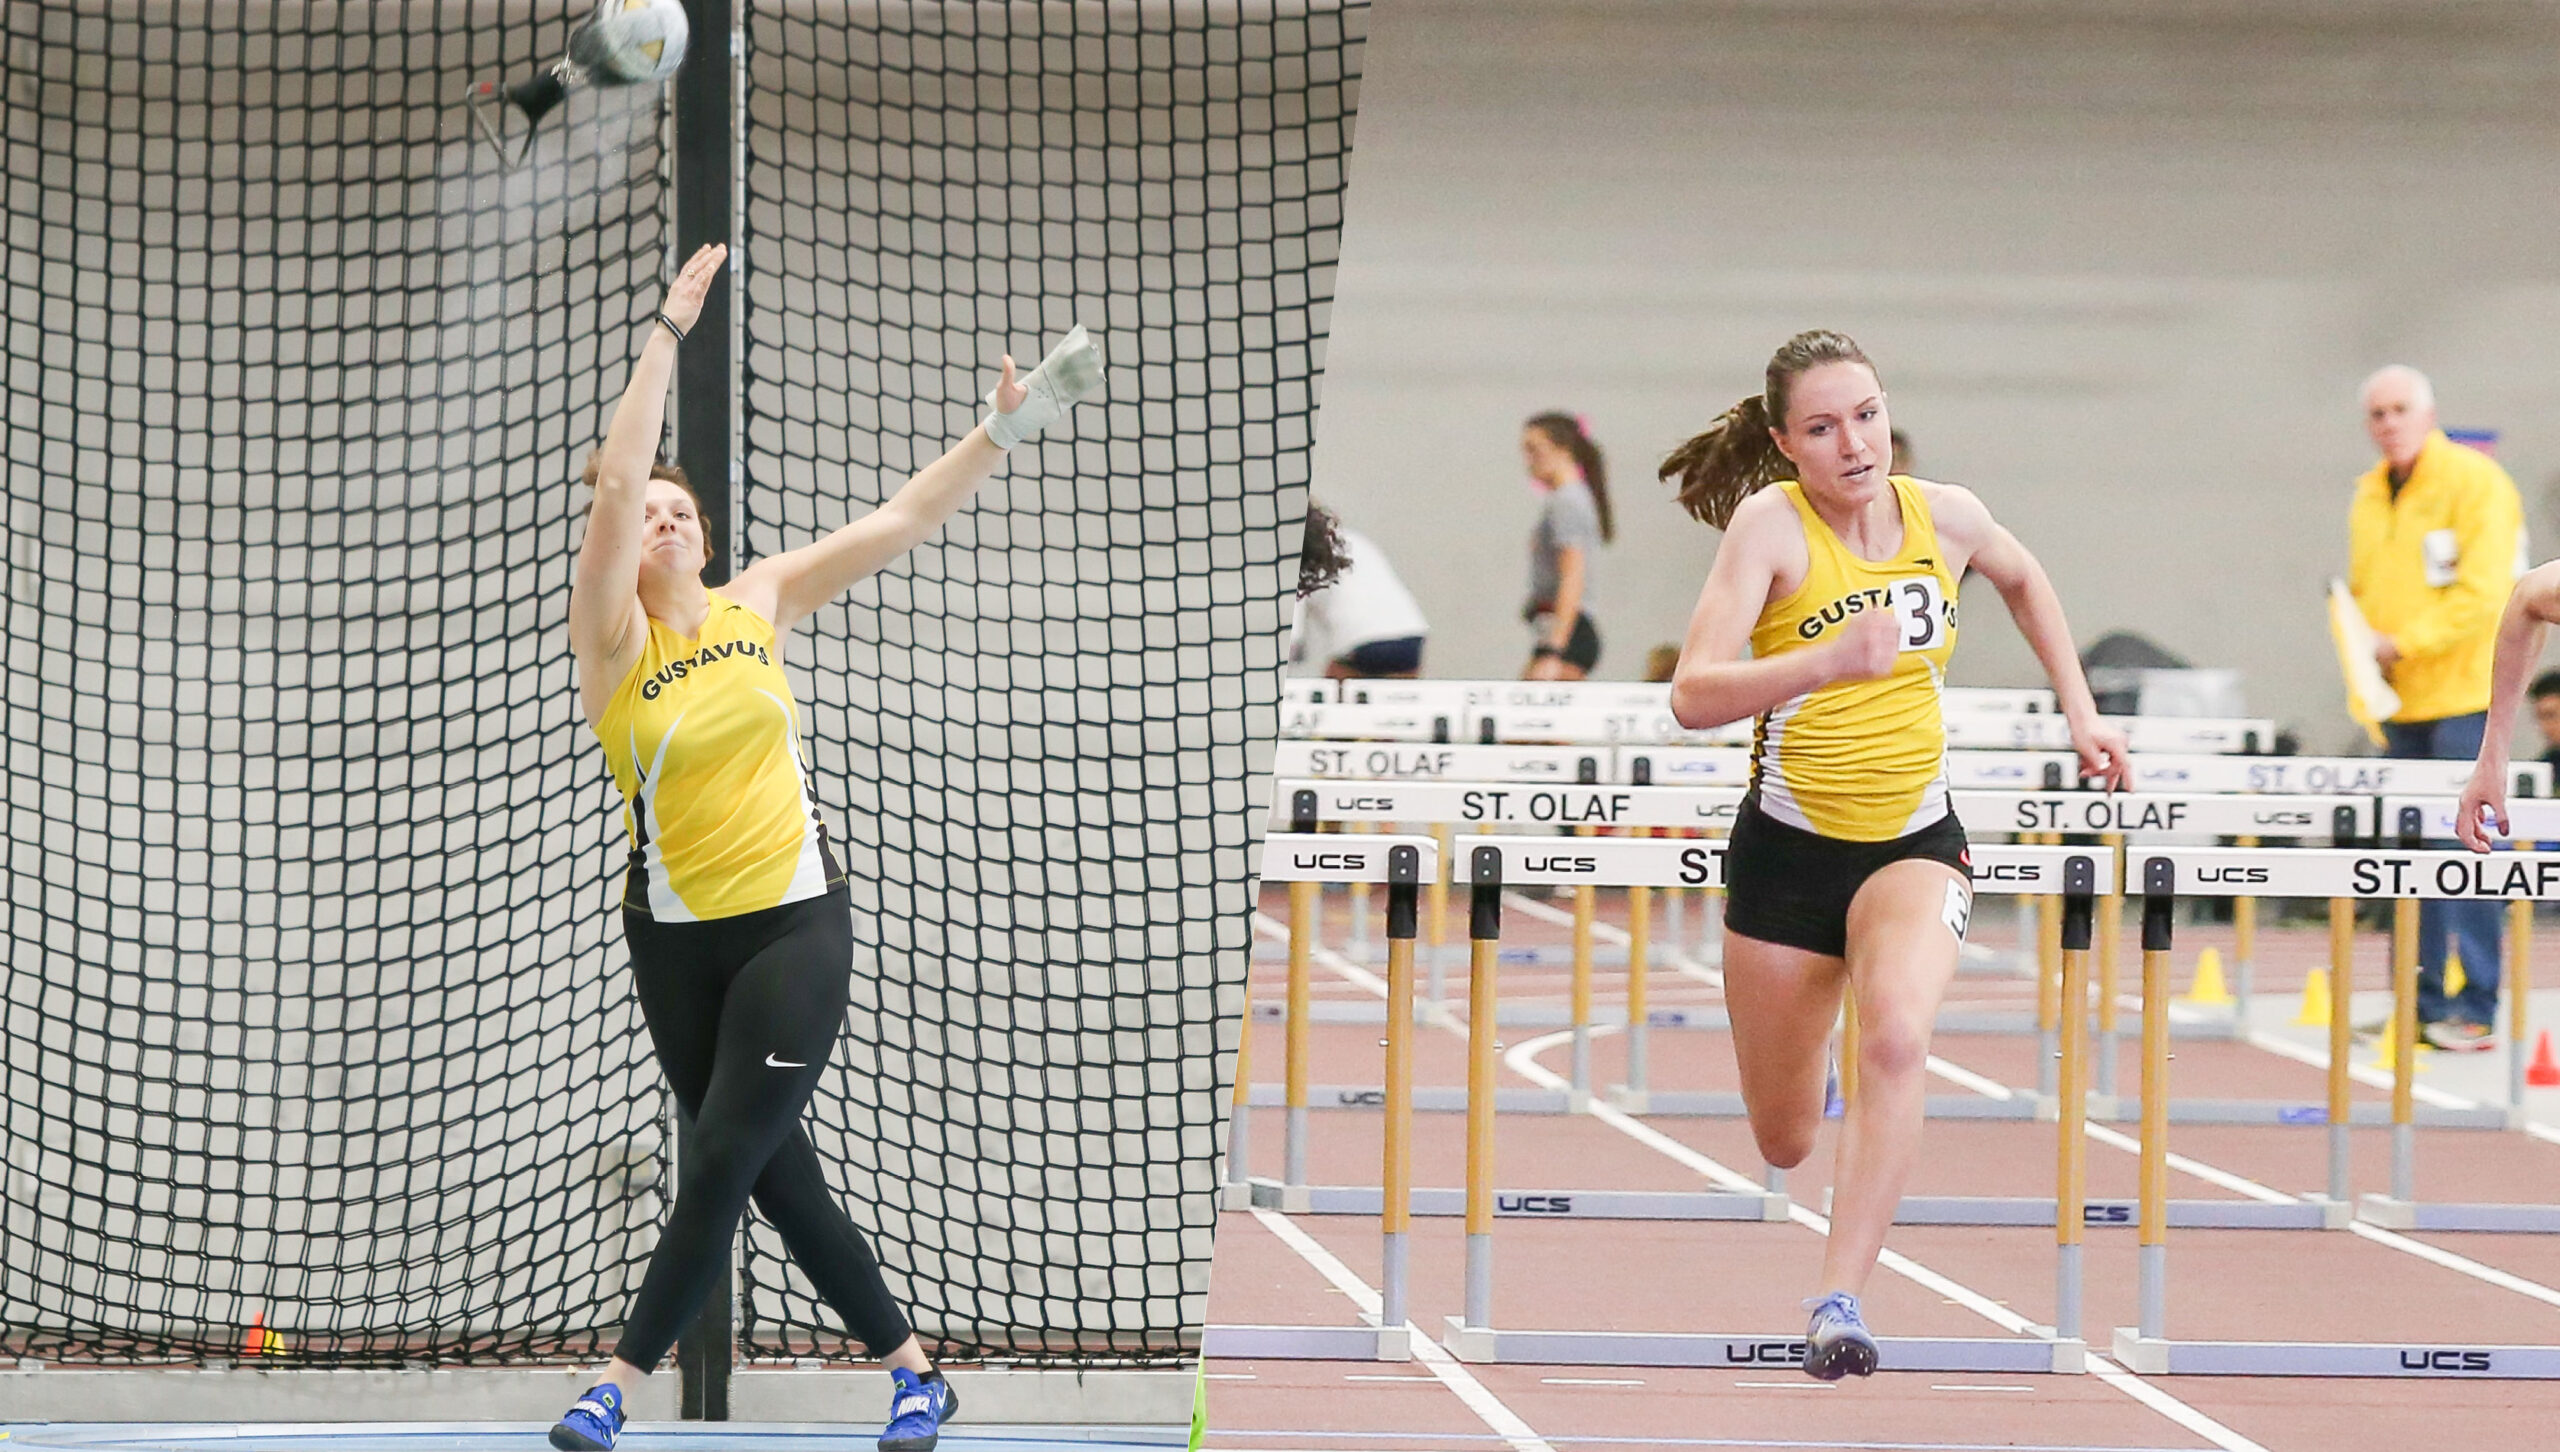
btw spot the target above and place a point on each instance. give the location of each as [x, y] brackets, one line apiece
[1070, 374]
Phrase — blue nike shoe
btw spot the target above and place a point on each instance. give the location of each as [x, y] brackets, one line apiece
[592, 1424]
[1838, 1343]
[918, 1406]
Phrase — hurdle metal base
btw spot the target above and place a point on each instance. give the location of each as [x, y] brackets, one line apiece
[1535, 1204]
[1486, 1345]
[1268, 1194]
[2371, 1115]
[1427, 1098]
[1726, 1104]
[2030, 1211]
[2152, 1356]
[2391, 1214]
[1308, 1343]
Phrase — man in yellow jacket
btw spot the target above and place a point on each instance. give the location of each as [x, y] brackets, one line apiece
[2435, 542]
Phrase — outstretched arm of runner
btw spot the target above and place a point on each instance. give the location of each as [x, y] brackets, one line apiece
[2532, 606]
[1965, 523]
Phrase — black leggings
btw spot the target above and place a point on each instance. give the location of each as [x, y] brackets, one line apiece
[744, 1011]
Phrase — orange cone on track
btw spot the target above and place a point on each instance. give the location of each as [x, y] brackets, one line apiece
[2544, 1072]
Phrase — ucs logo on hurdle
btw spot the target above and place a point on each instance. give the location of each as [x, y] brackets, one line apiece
[1764, 1353]
[2432, 1358]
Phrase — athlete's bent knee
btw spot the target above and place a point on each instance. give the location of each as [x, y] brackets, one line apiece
[1783, 1147]
[1893, 1051]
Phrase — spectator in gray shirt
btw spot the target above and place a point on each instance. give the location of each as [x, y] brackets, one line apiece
[1566, 466]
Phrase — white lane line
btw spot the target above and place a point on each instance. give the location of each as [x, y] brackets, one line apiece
[1669, 955]
[2365, 1074]
[2169, 1406]
[1902, 1265]
[1961, 1386]
[1489, 1409]
[2243, 1185]
[2453, 1262]
[1589, 1381]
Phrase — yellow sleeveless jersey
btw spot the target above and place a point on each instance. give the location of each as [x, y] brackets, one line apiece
[1862, 761]
[704, 740]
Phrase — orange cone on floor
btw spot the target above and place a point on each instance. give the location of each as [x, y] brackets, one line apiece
[2544, 1072]
[260, 1341]
[2208, 990]
[2315, 1000]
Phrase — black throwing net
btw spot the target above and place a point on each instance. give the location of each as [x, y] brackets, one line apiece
[313, 1019]
[1043, 724]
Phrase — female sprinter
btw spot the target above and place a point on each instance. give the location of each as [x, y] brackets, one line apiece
[1846, 868]
[737, 916]
[1565, 465]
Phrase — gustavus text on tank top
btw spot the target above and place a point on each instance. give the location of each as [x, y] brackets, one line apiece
[682, 666]
[1924, 606]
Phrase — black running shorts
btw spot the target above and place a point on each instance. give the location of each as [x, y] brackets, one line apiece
[1792, 887]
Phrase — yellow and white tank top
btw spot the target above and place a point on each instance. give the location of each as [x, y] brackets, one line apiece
[1862, 761]
[704, 740]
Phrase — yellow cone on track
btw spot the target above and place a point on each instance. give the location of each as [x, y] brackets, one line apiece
[2386, 1054]
[2208, 990]
[2315, 1000]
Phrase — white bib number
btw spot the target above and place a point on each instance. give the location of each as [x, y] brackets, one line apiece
[1921, 609]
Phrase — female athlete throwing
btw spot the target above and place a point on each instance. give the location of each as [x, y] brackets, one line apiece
[1847, 870]
[737, 916]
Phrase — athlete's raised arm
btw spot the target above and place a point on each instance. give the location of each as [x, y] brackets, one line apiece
[1975, 538]
[1713, 684]
[2532, 606]
[789, 587]
[605, 616]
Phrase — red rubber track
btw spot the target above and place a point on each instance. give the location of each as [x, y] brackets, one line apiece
[1604, 1275]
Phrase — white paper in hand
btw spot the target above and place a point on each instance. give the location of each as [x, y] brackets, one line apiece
[2370, 699]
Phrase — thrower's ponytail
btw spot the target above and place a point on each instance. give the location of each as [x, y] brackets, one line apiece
[1728, 463]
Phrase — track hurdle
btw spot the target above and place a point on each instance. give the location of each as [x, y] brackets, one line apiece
[1497, 862]
[2162, 875]
[1401, 864]
[1313, 803]
[2529, 819]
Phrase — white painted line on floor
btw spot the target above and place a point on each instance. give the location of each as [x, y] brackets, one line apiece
[2241, 1184]
[1363, 1376]
[2318, 1058]
[1667, 955]
[1792, 1385]
[1589, 1381]
[1520, 1060]
[2169, 1406]
[1489, 1409]
[2452, 1262]
[1524, 1440]
[1972, 1387]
